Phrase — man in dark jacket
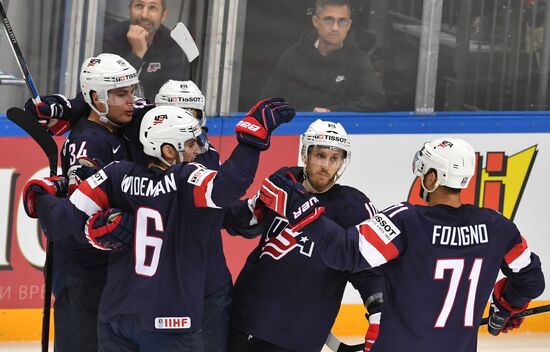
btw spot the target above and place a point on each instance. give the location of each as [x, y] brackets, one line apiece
[325, 72]
[146, 44]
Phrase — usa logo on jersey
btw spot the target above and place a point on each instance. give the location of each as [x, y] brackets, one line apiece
[280, 240]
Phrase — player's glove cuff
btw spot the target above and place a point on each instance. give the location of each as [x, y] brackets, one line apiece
[55, 185]
[110, 229]
[500, 312]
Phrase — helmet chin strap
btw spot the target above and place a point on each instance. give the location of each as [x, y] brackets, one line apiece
[103, 115]
[424, 192]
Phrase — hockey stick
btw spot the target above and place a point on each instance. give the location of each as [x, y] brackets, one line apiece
[27, 122]
[46, 142]
[525, 313]
[30, 124]
[183, 38]
[338, 346]
[19, 56]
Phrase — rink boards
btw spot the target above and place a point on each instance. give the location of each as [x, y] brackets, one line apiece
[512, 177]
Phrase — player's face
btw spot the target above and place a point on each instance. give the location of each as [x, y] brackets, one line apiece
[191, 150]
[332, 23]
[148, 14]
[121, 105]
[322, 165]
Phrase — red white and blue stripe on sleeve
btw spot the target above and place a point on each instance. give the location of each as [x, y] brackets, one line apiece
[89, 197]
[376, 236]
[519, 256]
[203, 181]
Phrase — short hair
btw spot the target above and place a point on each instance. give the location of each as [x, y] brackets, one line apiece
[164, 5]
[320, 4]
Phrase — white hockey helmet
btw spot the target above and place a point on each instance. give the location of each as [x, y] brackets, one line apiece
[330, 135]
[102, 73]
[453, 159]
[184, 94]
[168, 125]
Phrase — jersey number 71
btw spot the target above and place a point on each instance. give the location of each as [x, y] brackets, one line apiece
[456, 266]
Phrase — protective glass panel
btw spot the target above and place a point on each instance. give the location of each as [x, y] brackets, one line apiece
[492, 57]
[40, 45]
[352, 67]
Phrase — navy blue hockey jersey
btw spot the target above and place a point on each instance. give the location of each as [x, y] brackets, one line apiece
[440, 265]
[87, 139]
[286, 294]
[161, 280]
[218, 274]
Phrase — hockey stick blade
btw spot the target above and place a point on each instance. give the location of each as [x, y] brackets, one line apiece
[183, 38]
[38, 133]
[338, 346]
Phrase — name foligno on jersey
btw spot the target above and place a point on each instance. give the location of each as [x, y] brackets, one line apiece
[457, 236]
[145, 187]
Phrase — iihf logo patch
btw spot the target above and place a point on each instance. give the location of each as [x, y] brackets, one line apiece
[162, 323]
[159, 119]
[153, 67]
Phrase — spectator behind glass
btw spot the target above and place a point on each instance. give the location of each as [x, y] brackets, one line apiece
[146, 44]
[325, 72]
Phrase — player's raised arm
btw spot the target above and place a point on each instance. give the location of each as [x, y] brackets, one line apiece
[236, 174]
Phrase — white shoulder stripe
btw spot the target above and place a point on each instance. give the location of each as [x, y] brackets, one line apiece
[370, 253]
[209, 202]
[369, 210]
[398, 205]
[84, 203]
[397, 212]
[522, 261]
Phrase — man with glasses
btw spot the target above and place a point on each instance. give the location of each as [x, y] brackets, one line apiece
[325, 71]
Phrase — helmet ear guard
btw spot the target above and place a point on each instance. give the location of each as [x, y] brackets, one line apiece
[453, 160]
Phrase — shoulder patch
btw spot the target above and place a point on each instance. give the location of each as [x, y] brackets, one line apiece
[384, 227]
[97, 179]
[197, 177]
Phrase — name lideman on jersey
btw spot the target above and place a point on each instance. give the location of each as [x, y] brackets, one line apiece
[145, 187]
[458, 236]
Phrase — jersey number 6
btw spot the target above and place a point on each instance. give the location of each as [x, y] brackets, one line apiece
[145, 244]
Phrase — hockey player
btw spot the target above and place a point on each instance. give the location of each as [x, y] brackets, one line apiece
[286, 298]
[219, 284]
[154, 293]
[187, 95]
[107, 82]
[442, 259]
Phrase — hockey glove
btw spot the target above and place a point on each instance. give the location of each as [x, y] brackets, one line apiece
[291, 200]
[374, 315]
[85, 168]
[110, 229]
[258, 124]
[54, 113]
[500, 313]
[55, 185]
